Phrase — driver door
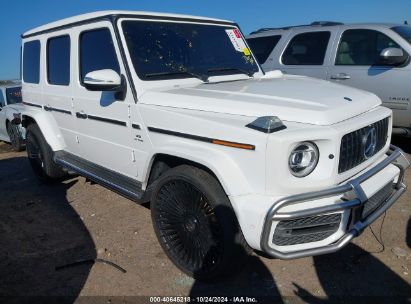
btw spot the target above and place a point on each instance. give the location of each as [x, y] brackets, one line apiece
[357, 64]
[103, 121]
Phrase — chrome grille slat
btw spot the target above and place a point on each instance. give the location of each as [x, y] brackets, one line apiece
[351, 149]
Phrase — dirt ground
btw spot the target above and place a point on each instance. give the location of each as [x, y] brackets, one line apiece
[44, 227]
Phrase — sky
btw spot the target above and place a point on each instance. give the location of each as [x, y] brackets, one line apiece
[19, 16]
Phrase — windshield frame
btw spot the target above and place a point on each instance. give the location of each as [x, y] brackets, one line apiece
[395, 30]
[186, 77]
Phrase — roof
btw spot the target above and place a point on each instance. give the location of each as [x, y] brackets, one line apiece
[100, 14]
[321, 24]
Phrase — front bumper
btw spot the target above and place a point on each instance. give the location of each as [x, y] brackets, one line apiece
[355, 205]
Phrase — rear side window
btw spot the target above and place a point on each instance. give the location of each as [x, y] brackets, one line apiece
[307, 49]
[263, 46]
[362, 47]
[58, 61]
[97, 52]
[31, 62]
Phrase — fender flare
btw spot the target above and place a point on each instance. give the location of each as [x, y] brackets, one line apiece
[228, 173]
[47, 125]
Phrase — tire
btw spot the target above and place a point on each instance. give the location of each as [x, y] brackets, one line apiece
[41, 156]
[196, 225]
[17, 143]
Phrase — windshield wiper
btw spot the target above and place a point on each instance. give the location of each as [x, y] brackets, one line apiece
[202, 77]
[242, 71]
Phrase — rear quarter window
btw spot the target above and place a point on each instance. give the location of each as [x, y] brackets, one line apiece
[262, 47]
[31, 62]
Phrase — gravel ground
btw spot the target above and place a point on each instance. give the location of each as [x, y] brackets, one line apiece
[45, 227]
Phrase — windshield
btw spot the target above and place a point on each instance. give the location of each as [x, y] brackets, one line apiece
[13, 95]
[404, 32]
[166, 50]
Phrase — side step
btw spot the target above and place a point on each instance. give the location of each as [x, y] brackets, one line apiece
[119, 183]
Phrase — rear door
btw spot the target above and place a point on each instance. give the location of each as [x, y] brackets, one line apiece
[58, 84]
[357, 63]
[307, 54]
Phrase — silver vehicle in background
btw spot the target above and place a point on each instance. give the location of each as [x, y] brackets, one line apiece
[372, 57]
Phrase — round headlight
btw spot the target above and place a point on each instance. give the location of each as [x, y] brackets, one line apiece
[303, 159]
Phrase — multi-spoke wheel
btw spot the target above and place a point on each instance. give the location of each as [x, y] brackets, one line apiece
[16, 140]
[195, 223]
[41, 156]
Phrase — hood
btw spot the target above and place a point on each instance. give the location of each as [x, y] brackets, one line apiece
[291, 98]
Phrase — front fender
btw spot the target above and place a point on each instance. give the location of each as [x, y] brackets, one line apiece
[47, 125]
[227, 171]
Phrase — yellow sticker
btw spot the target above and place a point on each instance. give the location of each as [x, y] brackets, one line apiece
[246, 52]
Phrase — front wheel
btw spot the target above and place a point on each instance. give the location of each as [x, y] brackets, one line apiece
[195, 223]
[41, 156]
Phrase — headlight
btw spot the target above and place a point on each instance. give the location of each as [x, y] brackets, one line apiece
[303, 159]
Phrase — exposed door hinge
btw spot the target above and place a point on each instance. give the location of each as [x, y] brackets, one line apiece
[77, 140]
[129, 111]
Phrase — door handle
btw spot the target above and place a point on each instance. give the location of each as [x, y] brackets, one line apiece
[341, 76]
[81, 115]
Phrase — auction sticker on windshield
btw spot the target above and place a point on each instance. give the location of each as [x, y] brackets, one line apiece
[237, 41]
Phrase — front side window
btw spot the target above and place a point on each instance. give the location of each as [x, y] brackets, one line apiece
[13, 95]
[31, 62]
[362, 47]
[58, 61]
[97, 52]
[404, 31]
[307, 49]
[166, 50]
[263, 46]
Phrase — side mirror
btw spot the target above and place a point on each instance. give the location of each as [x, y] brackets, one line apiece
[393, 56]
[106, 80]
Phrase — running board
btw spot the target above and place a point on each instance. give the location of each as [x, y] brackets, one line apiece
[119, 183]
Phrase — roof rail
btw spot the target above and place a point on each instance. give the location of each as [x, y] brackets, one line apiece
[315, 23]
[326, 23]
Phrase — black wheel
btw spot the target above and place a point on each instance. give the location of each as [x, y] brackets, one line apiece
[41, 156]
[16, 140]
[195, 223]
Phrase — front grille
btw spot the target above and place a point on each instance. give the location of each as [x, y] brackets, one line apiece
[306, 229]
[352, 150]
[375, 201]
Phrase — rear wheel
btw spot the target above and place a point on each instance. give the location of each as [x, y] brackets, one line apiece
[14, 134]
[41, 156]
[195, 223]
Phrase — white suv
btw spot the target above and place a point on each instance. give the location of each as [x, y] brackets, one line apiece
[175, 110]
